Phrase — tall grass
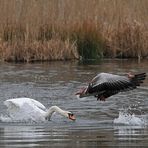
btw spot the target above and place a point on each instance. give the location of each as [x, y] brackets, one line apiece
[39, 30]
[129, 41]
[89, 40]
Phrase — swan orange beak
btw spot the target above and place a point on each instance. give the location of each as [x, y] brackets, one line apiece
[72, 117]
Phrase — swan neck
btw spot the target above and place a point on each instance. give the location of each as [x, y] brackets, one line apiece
[53, 109]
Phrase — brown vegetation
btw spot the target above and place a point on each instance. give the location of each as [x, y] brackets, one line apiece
[41, 30]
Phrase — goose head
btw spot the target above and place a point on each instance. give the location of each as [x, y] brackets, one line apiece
[82, 92]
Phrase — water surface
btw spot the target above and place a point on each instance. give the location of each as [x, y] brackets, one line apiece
[105, 124]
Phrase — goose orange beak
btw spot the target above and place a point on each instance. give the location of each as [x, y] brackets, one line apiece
[77, 93]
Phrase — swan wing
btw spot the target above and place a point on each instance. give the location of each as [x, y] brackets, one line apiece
[20, 102]
[38, 104]
[24, 109]
[15, 102]
[12, 106]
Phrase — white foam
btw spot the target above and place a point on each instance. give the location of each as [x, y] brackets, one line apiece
[126, 118]
[5, 119]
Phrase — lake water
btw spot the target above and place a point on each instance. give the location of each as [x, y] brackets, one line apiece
[120, 121]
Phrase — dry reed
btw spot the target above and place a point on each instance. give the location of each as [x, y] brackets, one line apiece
[41, 30]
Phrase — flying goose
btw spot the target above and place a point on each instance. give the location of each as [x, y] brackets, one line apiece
[105, 85]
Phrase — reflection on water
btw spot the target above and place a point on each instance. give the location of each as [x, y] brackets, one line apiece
[55, 83]
[27, 136]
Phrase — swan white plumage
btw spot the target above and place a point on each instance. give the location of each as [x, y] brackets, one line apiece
[30, 109]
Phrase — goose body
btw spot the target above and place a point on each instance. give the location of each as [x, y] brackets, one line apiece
[105, 85]
[30, 109]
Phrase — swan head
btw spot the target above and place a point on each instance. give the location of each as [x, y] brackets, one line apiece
[64, 113]
[69, 115]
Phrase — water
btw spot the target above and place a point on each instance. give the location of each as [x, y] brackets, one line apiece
[120, 121]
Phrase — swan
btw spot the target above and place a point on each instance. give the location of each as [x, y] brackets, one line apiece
[105, 85]
[30, 109]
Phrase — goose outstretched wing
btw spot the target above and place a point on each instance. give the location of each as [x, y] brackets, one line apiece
[105, 84]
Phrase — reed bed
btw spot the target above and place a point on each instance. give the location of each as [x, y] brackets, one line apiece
[43, 30]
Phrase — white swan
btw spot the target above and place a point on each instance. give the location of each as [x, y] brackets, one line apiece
[30, 109]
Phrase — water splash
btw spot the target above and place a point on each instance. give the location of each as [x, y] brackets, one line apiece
[126, 117]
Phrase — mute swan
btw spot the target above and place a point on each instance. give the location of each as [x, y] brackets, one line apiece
[105, 85]
[27, 108]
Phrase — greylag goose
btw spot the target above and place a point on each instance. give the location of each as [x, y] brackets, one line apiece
[105, 85]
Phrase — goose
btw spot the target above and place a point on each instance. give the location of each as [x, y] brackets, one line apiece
[105, 85]
[27, 108]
